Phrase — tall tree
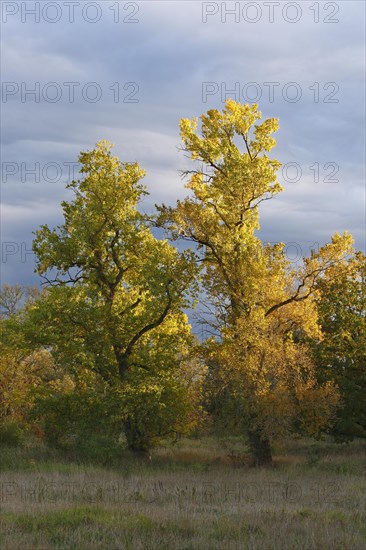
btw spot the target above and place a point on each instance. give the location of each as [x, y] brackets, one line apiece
[260, 303]
[115, 292]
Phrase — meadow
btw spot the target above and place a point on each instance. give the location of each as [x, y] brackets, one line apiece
[199, 494]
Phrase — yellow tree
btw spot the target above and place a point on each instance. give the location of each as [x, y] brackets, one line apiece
[261, 305]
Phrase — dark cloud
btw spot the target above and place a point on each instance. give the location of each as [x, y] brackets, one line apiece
[169, 54]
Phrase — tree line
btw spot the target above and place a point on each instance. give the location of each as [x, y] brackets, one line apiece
[106, 350]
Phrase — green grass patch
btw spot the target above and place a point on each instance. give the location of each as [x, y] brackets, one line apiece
[162, 504]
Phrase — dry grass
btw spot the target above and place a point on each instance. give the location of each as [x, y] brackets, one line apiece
[188, 497]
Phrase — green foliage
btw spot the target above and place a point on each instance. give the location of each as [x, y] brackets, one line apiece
[114, 305]
[341, 353]
[79, 420]
[12, 434]
[124, 283]
[24, 367]
[89, 417]
[154, 408]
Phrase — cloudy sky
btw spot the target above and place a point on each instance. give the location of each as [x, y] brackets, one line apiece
[74, 73]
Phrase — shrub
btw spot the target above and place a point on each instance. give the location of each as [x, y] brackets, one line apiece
[11, 434]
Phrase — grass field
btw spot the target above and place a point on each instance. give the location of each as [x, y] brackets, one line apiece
[199, 494]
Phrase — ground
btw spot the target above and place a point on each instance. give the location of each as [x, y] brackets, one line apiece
[198, 494]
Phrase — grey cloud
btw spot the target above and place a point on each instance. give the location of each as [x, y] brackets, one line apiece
[169, 54]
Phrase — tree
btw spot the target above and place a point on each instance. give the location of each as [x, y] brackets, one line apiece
[341, 353]
[10, 300]
[260, 304]
[23, 367]
[115, 292]
[14, 298]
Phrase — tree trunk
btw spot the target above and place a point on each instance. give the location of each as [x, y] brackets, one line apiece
[122, 360]
[136, 442]
[261, 448]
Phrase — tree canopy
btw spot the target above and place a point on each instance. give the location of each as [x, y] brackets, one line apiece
[115, 292]
[261, 303]
[107, 345]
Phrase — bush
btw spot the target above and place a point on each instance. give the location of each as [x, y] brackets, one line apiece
[11, 434]
[80, 422]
